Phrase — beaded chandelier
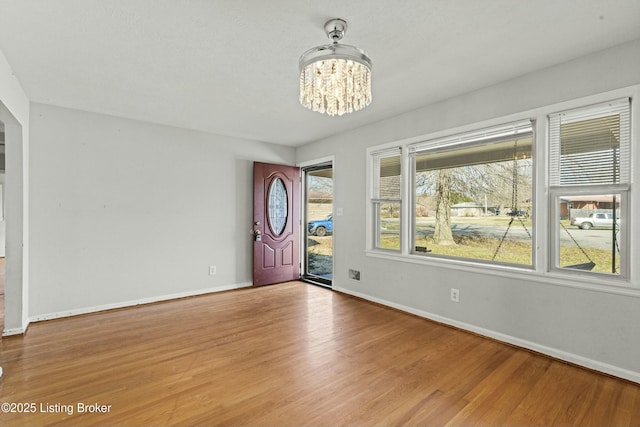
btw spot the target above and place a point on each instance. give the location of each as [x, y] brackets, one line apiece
[335, 78]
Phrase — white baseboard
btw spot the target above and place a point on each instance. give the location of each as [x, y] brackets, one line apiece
[16, 331]
[13, 331]
[549, 351]
[124, 304]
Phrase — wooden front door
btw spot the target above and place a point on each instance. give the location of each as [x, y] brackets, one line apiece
[276, 223]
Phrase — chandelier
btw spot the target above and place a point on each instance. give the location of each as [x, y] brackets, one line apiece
[335, 78]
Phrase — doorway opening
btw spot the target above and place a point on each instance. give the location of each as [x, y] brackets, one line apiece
[318, 216]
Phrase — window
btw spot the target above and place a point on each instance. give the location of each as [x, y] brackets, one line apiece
[386, 199]
[589, 184]
[482, 198]
[473, 195]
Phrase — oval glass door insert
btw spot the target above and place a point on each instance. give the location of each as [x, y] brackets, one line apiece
[277, 206]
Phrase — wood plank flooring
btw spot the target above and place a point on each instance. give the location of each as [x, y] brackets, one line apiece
[292, 354]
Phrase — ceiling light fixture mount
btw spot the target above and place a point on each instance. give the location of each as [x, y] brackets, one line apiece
[335, 78]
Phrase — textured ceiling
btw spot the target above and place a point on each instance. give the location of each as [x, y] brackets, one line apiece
[231, 67]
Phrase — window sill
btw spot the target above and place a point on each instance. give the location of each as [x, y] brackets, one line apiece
[610, 285]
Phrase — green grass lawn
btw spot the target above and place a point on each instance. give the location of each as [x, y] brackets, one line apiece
[479, 248]
[484, 248]
[510, 252]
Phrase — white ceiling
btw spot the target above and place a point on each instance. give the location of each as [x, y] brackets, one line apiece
[231, 66]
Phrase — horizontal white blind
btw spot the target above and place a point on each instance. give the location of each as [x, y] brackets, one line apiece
[387, 174]
[591, 145]
[490, 135]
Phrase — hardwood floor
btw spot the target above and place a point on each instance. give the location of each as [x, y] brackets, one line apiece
[292, 354]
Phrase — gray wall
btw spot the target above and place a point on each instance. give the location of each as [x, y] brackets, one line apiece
[125, 211]
[584, 324]
[14, 113]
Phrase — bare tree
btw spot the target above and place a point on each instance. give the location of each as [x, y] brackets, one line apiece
[320, 184]
[442, 234]
[493, 181]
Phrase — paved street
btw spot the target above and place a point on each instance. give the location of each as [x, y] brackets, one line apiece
[598, 239]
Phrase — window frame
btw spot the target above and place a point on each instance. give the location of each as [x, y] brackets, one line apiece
[555, 230]
[374, 199]
[557, 189]
[542, 273]
[477, 137]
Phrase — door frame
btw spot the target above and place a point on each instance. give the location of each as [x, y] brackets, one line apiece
[303, 216]
[16, 212]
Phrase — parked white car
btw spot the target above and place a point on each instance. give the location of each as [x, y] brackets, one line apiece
[595, 220]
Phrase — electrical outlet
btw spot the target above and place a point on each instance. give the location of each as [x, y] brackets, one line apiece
[455, 295]
[212, 270]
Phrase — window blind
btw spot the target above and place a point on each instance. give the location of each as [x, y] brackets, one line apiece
[591, 145]
[387, 174]
[496, 144]
[491, 135]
